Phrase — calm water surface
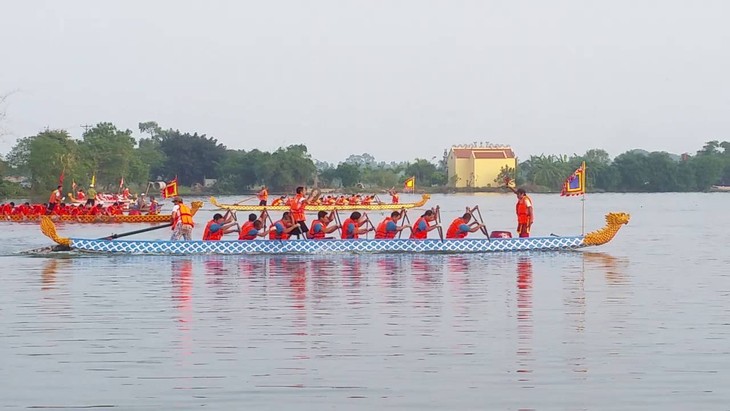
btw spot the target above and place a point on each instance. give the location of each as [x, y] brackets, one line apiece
[641, 323]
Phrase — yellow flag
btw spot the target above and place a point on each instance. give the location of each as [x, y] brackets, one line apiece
[93, 180]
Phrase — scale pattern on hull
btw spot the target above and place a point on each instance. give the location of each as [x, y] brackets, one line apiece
[328, 246]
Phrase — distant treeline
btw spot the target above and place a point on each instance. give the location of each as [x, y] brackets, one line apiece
[110, 154]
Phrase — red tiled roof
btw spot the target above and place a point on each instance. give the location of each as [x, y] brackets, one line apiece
[483, 153]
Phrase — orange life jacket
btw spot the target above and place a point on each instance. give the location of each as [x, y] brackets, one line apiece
[317, 235]
[523, 216]
[208, 236]
[340, 201]
[263, 195]
[416, 232]
[183, 216]
[272, 231]
[245, 229]
[296, 206]
[453, 231]
[345, 225]
[55, 197]
[276, 202]
[394, 198]
[381, 232]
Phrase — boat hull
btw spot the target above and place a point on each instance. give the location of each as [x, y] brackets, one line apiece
[344, 207]
[335, 246]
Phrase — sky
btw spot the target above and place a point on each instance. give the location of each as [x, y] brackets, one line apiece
[397, 79]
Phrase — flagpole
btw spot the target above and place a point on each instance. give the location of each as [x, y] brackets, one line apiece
[583, 219]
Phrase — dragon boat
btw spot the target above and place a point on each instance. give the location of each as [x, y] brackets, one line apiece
[98, 219]
[614, 222]
[324, 207]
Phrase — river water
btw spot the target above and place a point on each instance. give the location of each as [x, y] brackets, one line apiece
[640, 323]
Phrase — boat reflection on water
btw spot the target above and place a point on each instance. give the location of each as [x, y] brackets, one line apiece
[182, 298]
[525, 358]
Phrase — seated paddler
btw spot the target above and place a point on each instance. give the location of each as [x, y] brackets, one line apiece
[219, 226]
[389, 227]
[281, 229]
[461, 227]
[320, 227]
[351, 228]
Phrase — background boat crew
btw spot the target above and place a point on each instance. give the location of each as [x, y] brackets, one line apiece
[182, 221]
[351, 227]
[320, 226]
[219, 226]
[263, 196]
[279, 201]
[282, 229]
[388, 228]
[461, 227]
[125, 193]
[80, 195]
[394, 198]
[524, 210]
[423, 225]
[154, 206]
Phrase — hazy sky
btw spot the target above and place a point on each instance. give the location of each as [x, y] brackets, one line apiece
[397, 79]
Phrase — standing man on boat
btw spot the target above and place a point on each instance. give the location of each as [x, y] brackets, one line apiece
[55, 198]
[388, 228]
[393, 196]
[154, 207]
[524, 210]
[263, 196]
[296, 207]
[461, 227]
[182, 221]
[423, 225]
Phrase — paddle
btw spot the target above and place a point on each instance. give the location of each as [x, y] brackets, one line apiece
[144, 230]
[367, 234]
[244, 200]
[337, 218]
[403, 223]
[481, 220]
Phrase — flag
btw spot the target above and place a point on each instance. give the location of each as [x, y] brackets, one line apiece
[93, 180]
[73, 184]
[410, 183]
[575, 185]
[60, 178]
[121, 183]
[170, 189]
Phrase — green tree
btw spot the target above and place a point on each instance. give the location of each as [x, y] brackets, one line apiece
[423, 170]
[109, 154]
[190, 157]
[632, 169]
[348, 173]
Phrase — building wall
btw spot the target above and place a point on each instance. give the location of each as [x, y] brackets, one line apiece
[476, 172]
[487, 170]
[461, 167]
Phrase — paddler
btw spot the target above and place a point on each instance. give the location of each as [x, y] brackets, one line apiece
[319, 226]
[351, 227]
[154, 207]
[393, 195]
[219, 226]
[245, 233]
[80, 195]
[388, 228]
[279, 201]
[282, 229]
[461, 227]
[423, 225]
[182, 221]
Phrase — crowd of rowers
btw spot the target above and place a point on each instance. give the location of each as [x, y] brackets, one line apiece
[330, 200]
[355, 225]
[85, 206]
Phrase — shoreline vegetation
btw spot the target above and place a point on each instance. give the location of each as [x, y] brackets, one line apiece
[202, 166]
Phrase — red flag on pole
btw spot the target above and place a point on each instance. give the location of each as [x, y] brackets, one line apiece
[121, 183]
[170, 189]
[60, 178]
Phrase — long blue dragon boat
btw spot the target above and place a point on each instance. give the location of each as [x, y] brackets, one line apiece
[614, 222]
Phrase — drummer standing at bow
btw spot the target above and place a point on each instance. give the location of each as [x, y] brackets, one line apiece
[525, 215]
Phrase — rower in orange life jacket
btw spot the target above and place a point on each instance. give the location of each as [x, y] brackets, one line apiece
[280, 230]
[263, 196]
[250, 229]
[461, 227]
[279, 201]
[388, 228]
[319, 228]
[340, 200]
[182, 221]
[351, 226]
[219, 226]
[422, 226]
[523, 209]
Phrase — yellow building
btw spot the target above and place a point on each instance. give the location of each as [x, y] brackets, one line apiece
[470, 166]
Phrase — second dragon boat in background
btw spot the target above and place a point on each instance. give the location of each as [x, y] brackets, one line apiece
[324, 207]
